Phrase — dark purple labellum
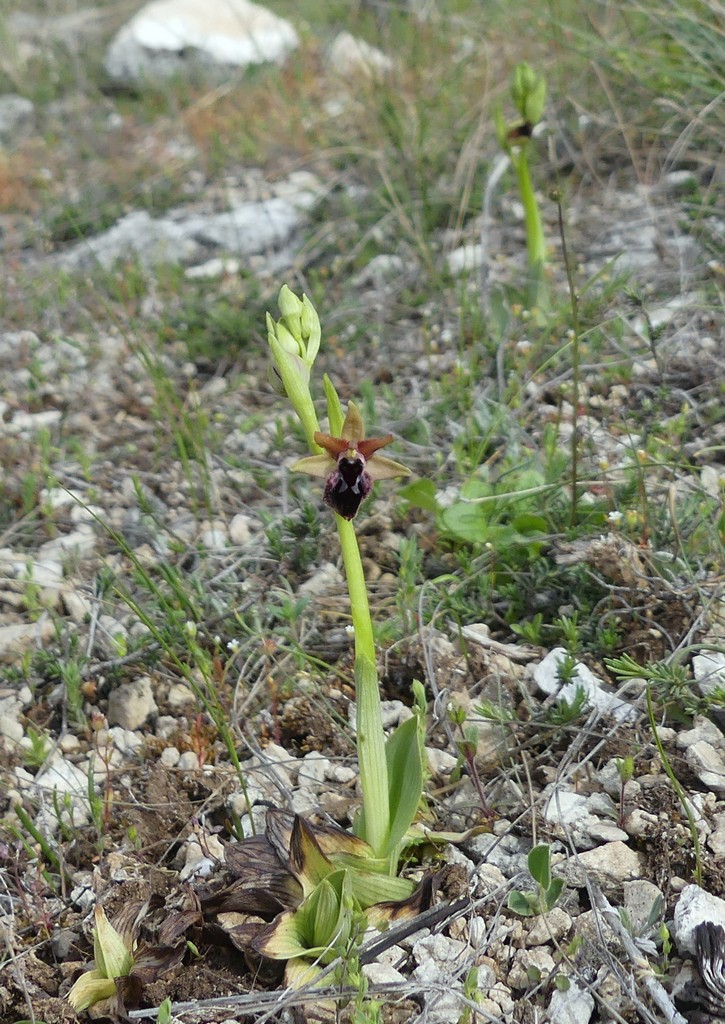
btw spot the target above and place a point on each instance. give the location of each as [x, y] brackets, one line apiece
[347, 486]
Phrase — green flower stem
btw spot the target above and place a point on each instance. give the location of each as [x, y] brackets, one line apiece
[361, 621]
[293, 359]
[370, 734]
[535, 242]
[298, 392]
[534, 229]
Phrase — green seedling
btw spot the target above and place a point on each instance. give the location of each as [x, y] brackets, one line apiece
[164, 1014]
[467, 744]
[473, 994]
[528, 93]
[566, 712]
[117, 955]
[568, 625]
[648, 928]
[530, 630]
[548, 889]
[38, 749]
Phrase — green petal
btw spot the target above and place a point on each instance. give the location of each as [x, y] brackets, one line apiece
[352, 428]
[314, 465]
[289, 304]
[382, 468]
[311, 330]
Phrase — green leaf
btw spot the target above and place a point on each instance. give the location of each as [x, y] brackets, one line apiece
[539, 865]
[529, 523]
[553, 892]
[466, 522]
[421, 494]
[285, 938]
[405, 778]
[518, 902]
[113, 957]
[323, 913]
[164, 1014]
[374, 824]
[300, 973]
[370, 888]
[501, 129]
[309, 864]
[91, 988]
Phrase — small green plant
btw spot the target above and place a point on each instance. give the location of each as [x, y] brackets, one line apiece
[568, 625]
[164, 1014]
[565, 712]
[528, 93]
[548, 889]
[467, 744]
[567, 669]
[531, 630]
[661, 672]
[117, 954]
[650, 927]
[39, 748]
[473, 994]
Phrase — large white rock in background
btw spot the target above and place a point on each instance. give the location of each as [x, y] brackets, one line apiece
[167, 37]
[351, 56]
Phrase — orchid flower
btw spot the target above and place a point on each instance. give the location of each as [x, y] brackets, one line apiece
[350, 464]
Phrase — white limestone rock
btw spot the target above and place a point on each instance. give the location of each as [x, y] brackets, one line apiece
[575, 1006]
[466, 259]
[349, 56]
[546, 677]
[313, 771]
[16, 638]
[709, 671]
[150, 240]
[552, 926]
[694, 907]
[529, 966]
[168, 37]
[577, 816]
[640, 899]
[15, 112]
[69, 783]
[130, 705]
[609, 865]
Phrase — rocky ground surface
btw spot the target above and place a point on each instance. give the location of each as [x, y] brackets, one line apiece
[116, 784]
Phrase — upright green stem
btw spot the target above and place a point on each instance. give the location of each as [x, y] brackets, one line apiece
[575, 367]
[535, 242]
[361, 620]
[294, 341]
[370, 734]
